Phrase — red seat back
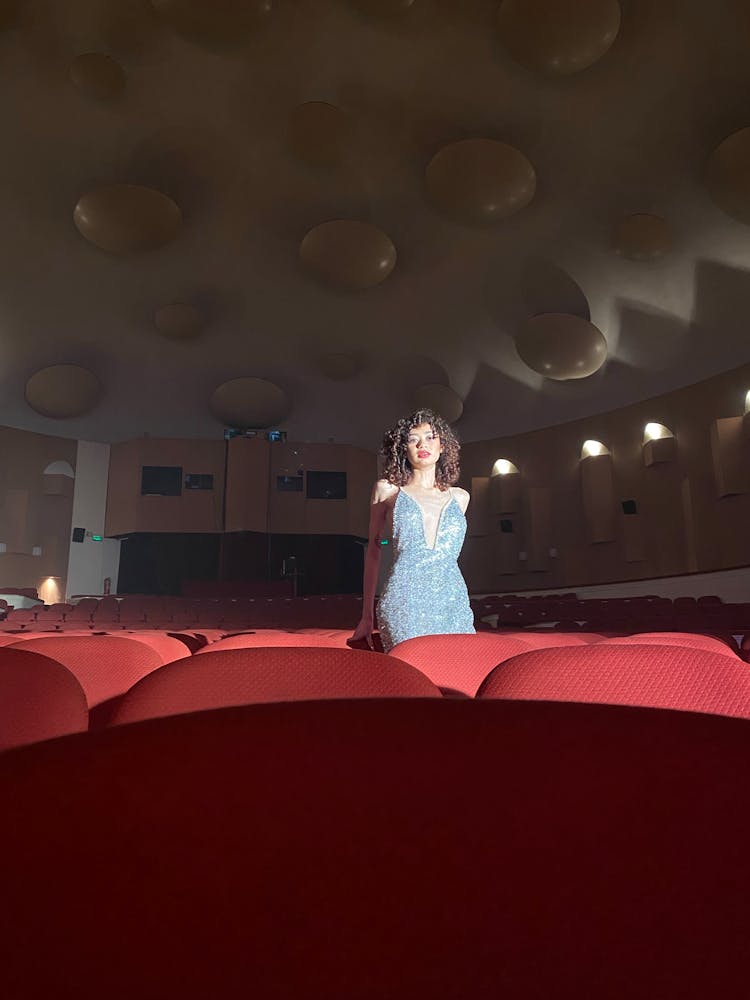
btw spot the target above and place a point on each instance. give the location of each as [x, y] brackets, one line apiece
[459, 662]
[403, 849]
[690, 640]
[39, 699]
[335, 639]
[246, 676]
[106, 665]
[658, 676]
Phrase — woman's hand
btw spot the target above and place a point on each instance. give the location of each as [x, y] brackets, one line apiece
[363, 631]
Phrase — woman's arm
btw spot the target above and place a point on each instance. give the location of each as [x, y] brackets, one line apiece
[382, 493]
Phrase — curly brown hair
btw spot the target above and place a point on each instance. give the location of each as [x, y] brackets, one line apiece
[396, 466]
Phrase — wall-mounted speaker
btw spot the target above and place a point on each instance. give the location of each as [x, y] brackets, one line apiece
[79, 534]
[629, 507]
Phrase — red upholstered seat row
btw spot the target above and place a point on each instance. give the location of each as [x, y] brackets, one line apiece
[255, 675]
[566, 611]
[129, 676]
[415, 848]
[172, 612]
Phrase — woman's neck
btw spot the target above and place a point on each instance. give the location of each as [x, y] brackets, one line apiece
[423, 479]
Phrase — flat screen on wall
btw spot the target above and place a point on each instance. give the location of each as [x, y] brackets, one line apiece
[326, 486]
[161, 480]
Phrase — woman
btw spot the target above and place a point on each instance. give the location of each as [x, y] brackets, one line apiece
[425, 593]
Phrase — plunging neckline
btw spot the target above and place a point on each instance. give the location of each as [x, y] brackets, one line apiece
[449, 501]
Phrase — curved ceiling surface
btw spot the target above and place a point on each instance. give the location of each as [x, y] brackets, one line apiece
[416, 294]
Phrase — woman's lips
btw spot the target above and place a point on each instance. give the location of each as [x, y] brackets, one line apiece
[423, 454]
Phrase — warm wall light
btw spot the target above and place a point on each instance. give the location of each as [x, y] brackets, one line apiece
[505, 487]
[659, 444]
[504, 467]
[747, 401]
[655, 432]
[592, 449]
[49, 590]
[746, 416]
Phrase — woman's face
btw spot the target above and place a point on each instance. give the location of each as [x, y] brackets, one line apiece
[423, 447]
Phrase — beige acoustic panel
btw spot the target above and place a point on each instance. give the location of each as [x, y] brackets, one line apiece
[194, 511]
[538, 524]
[598, 495]
[286, 512]
[659, 450]
[123, 487]
[477, 564]
[686, 497]
[505, 548]
[478, 515]
[633, 547]
[730, 452]
[58, 486]
[247, 484]
[324, 517]
[505, 493]
[15, 522]
[51, 563]
[361, 473]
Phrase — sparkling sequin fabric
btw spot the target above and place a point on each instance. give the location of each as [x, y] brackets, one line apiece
[425, 593]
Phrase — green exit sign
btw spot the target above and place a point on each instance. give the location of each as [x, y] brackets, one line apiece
[97, 538]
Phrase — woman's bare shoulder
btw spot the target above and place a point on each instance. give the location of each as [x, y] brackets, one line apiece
[383, 490]
[461, 496]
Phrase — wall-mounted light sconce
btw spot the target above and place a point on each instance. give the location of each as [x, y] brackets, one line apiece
[49, 590]
[505, 487]
[746, 416]
[594, 449]
[597, 491]
[659, 444]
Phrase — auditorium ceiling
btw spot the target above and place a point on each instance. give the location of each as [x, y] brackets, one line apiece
[357, 206]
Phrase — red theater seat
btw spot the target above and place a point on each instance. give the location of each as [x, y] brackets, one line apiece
[248, 676]
[335, 639]
[658, 676]
[19, 618]
[459, 663]
[541, 640]
[105, 665]
[39, 699]
[690, 640]
[169, 647]
[403, 849]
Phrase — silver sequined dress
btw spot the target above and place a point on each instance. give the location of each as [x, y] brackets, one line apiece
[425, 593]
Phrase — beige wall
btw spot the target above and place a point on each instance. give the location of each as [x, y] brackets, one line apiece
[693, 510]
[253, 502]
[194, 510]
[35, 510]
[294, 513]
